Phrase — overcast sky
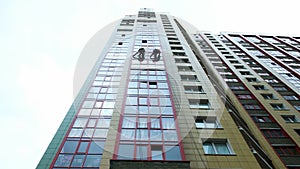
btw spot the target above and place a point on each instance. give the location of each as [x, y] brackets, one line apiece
[40, 42]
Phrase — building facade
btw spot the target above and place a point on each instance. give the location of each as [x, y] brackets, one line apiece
[161, 96]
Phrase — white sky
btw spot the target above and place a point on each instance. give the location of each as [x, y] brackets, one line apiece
[40, 42]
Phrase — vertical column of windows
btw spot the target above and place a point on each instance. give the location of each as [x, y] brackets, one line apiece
[148, 128]
[83, 145]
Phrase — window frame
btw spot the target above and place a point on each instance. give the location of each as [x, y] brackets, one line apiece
[213, 142]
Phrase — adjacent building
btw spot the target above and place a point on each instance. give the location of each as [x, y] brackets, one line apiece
[163, 96]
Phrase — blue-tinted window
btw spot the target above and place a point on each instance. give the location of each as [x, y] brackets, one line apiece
[172, 153]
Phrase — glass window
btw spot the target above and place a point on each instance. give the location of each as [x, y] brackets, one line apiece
[156, 152]
[106, 112]
[155, 135]
[143, 109]
[63, 160]
[103, 123]
[199, 103]
[287, 150]
[217, 147]
[77, 161]
[261, 119]
[278, 106]
[69, 147]
[141, 134]
[168, 123]
[130, 110]
[273, 133]
[95, 112]
[88, 132]
[268, 96]
[244, 96]
[95, 90]
[142, 123]
[129, 122]
[162, 85]
[297, 107]
[290, 118]
[141, 152]
[127, 134]
[88, 104]
[92, 161]
[207, 122]
[80, 122]
[251, 107]
[101, 133]
[167, 110]
[170, 135]
[82, 147]
[125, 151]
[172, 153]
[92, 123]
[290, 97]
[155, 123]
[165, 101]
[143, 101]
[108, 105]
[153, 101]
[131, 101]
[193, 89]
[75, 132]
[96, 147]
[85, 112]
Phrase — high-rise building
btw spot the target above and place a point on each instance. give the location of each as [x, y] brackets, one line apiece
[163, 96]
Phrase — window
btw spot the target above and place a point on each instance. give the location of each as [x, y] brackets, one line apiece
[263, 74]
[185, 68]
[262, 119]
[231, 80]
[280, 88]
[271, 133]
[252, 79]
[193, 89]
[236, 87]
[244, 96]
[125, 151]
[287, 150]
[172, 153]
[245, 73]
[69, 147]
[182, 60]
[290, 118]
[199, 104]
[259, 87]
[297, 107]
[290, 97]
[189, 77]
[216, 146]
[271, 81]
[278, 107]
[156, 152]
[251, 107]
[268, 96]
[207, 122]
[239, 67]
